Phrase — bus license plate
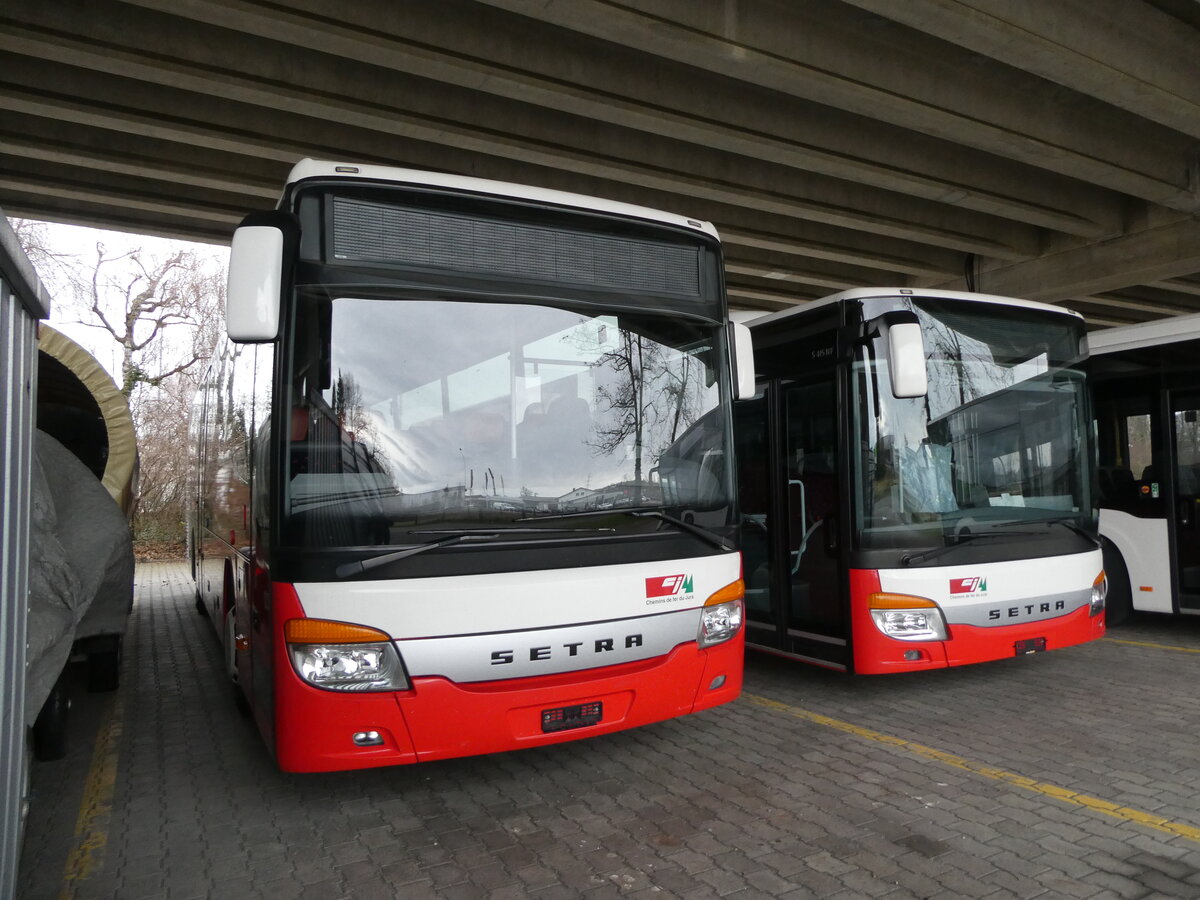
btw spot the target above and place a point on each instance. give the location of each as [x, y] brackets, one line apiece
[567, 717]
[1032, 645]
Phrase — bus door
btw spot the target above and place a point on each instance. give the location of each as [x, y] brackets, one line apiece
[809, 588]
[755, 494]
[1185, 415]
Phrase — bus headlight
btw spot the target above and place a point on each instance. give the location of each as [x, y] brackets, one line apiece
[719, 623]
[907, 618]
[722, 615]
[338, 656]
[1099, 594]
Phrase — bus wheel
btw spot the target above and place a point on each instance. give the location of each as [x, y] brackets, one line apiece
[50, 729]
[1119, 604]
[200, 607]
[240, 701]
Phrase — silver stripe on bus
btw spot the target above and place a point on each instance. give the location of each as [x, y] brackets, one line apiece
[547, 651]
[984, 612]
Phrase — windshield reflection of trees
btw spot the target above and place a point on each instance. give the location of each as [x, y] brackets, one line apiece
[998, 437]
[549, 412]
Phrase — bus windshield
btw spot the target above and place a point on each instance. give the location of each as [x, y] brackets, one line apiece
[999, 440]
[414, 417]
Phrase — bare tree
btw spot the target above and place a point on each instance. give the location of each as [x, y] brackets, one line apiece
[136, 307]
[162, 452]
[626, 398]
[163, 312]
[58, 269]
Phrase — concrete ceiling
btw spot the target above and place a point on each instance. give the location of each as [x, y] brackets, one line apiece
[1048, 150]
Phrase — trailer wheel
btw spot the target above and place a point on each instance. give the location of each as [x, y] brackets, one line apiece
[104, 667]
[50, 729]
[1118, 607]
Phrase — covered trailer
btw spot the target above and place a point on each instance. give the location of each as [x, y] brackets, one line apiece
[82, 569]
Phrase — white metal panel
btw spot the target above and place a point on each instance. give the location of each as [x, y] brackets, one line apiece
[1145, 547]
[515, 601]
[22, 302]
[913, 293]
[1145, 334]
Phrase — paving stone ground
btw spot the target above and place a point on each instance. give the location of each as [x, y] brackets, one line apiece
[1070, 774]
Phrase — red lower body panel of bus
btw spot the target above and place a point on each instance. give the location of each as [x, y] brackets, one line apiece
[316, 730]
[876, 654]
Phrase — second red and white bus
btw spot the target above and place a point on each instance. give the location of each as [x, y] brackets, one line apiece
[916, 482]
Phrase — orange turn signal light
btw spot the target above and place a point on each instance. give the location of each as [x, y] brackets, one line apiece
[734, 591]
[885, 600]
[323, 631]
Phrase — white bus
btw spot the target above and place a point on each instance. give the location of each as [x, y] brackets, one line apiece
[1147, 398]
[916, 482]
[463, 478]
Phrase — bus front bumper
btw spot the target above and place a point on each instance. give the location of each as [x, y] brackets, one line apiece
[319, 731]
[877, 654]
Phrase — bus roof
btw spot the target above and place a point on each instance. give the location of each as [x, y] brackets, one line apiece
[867, 293]
[316, 168]
[1145, 334]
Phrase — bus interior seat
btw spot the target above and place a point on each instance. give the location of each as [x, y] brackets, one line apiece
[1122, 487]
[299, 424]
[1187, 483]
[529, 430]
[977, 497]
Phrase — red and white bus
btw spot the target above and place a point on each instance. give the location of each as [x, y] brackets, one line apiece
[926, 498]
[1147, 398]
[463, 476]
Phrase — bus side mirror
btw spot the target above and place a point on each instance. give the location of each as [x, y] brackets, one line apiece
[743, 361]
[262, 247]
[906, 360]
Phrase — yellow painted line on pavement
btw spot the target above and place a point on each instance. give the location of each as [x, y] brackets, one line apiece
[1152, 645]
[91, 825]
[1124, 813]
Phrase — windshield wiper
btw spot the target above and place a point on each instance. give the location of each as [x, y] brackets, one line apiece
[704, 534]
[457, 536]
[506, 531]
[963, 539]
[1064, 521]
[714, 540]
[365, 565]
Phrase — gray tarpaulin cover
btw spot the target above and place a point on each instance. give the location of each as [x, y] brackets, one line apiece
[80, 568]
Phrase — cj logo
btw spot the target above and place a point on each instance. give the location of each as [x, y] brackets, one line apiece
[668, 586]
[973, 585]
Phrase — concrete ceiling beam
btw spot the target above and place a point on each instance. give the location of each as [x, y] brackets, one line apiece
[102, 164]
[905, 259]
[824, 141]
[831, 282]
[1129, 55]
[813, 49]
[1155, 253]
[835, 203]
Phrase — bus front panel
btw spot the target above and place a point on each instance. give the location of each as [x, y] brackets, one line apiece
[494, 663]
